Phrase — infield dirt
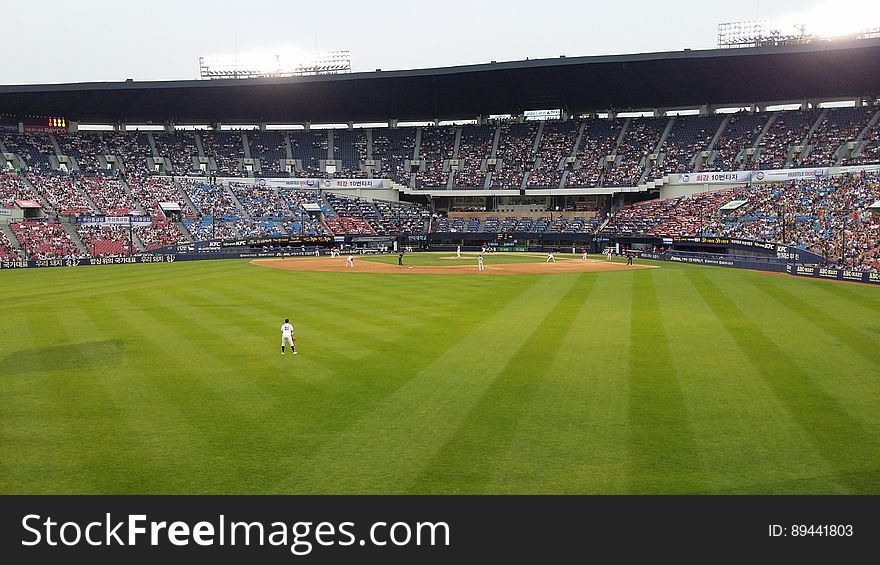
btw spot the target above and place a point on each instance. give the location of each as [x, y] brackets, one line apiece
[494, 266]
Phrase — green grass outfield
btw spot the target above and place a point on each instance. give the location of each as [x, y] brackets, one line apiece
[167, 378]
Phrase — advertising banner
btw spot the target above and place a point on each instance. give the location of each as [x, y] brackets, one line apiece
[833, 274]
[324, 184]
[115, 221]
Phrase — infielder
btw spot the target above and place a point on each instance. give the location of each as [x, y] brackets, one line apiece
[551, 258]
[458, 252]
[349, 262]
[287, 335]
[480, 266]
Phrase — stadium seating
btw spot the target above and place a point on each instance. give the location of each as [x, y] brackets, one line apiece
[161, 233]
[62, 194]
[514, 154]
[34, 148]
[85, 148]
[437, 146]
[740, 134]
[394, 148]
[597, 143]
[7, 252]
[788, 130]
[474, 147]
[310, 147]
[180, 148]
[227, 148]
[350, 147]
[108, 195]
[811, 213]
[13, 187]
[639, 140]
[44, 240]
[134, 149]
[839, 126]
[150, 191]
[557, 143]
[270, 148]
[102, 241]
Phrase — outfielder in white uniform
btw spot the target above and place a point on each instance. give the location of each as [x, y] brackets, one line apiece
[287, 335]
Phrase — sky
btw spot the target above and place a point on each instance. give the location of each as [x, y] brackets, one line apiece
[91, 40]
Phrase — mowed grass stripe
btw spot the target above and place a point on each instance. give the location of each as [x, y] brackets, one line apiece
[169, 447]
[119, 434]
[817, 313]
[473, 458]
[572, 438]
[820, 415]
[52, 428]
[663, 452]
[744, 435]
[54, 284]
[392, 445]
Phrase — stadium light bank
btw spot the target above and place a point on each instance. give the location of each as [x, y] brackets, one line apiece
[275, 65]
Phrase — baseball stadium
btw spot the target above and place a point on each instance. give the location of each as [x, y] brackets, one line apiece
[651, 273]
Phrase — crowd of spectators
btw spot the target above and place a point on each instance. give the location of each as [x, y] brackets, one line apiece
[870, 148]
[740, 134]
[260, 201]
[34, 148]
[133, 148]
[85, 148]
[109, 195]
[839, 126]
[310, 147]
[394, 148]
[211, 199]
[161, 233]
[61, 193]
[437, 146]
[638, 142]
[597, 143]
[227, 149]
[350, 152]
[557, 143]
[180, 148]
[474, 146]
[790, 129]
[102, 241]
[42, 239]
[270, 148]
[150, 191]
[514, 154]
[808, 214]
[689, 135]
[13, 187]
[7, 251]
[396, 218]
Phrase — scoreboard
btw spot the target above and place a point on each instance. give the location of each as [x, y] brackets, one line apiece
[43, 123]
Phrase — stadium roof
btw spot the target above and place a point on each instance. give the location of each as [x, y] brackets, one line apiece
[576, 84]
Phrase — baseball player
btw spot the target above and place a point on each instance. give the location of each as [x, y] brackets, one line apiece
[349, 262]
[287, 335]
[480, 266]
[458, 252]
[551, 258]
